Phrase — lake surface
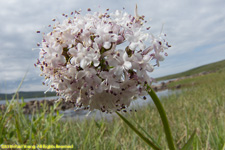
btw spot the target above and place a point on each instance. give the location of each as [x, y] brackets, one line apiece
[81, 114]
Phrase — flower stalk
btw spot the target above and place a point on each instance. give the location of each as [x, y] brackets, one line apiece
[163, 116]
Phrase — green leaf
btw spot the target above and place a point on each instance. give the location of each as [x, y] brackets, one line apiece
[153, 140]
[223, 146]
[18, 131]
[151, 144]
[97, 124]
[1, 140]
[11, 134]
[163, 117]
[22, 103]
[187, 146]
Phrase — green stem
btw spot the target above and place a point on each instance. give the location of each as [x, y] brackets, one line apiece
[163, 116]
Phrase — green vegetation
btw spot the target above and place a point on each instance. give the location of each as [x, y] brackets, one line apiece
[34, 94]
[199, 106]
[205, 68]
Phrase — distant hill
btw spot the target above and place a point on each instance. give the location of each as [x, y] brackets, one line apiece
[33, 94]
[205, 68]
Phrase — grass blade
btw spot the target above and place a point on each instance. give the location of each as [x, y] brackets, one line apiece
[187, 146]
[153, 140]
[223, 147]
[151, 144]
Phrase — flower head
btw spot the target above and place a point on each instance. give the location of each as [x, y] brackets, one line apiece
[81, 60]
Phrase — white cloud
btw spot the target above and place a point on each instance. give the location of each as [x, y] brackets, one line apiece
[195, 29]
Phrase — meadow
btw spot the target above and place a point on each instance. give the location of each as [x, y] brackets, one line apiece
[201, 69]
[199, 106]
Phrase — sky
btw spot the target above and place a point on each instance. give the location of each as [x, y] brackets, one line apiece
[194, 28]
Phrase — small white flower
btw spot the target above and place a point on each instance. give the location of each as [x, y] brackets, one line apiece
[141, 62]
[121, 62]
[137, 39]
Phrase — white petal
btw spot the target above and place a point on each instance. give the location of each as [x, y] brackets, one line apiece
[149, 68]
[143, 37]
[96, 63]
[106, 45]
[114, 38]
[73, 51]
[133, 45]
[127, 65]
[80, 75]
[125, 56]
[83, 63]
[118, 71]
[147, 50]
[79, 46]
[141, 45]
[159, 57]
[146, 58]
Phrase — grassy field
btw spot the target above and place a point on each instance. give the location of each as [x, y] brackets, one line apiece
[201, 106]
[205, 68]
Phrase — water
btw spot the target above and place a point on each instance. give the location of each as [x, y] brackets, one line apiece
[81, 114]
[84, 114]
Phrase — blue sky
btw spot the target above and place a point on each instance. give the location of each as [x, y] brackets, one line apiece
[195, 29]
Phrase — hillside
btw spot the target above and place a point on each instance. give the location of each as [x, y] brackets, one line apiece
[205, 68]
[33, 94]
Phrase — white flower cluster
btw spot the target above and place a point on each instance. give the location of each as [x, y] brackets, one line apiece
[80, 59]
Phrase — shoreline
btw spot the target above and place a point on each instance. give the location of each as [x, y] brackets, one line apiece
[34, 106]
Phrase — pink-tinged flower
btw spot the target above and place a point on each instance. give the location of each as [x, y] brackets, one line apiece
[159, 45]
[80, 59]
[121, 62]
[141, 62]
[136, 39]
